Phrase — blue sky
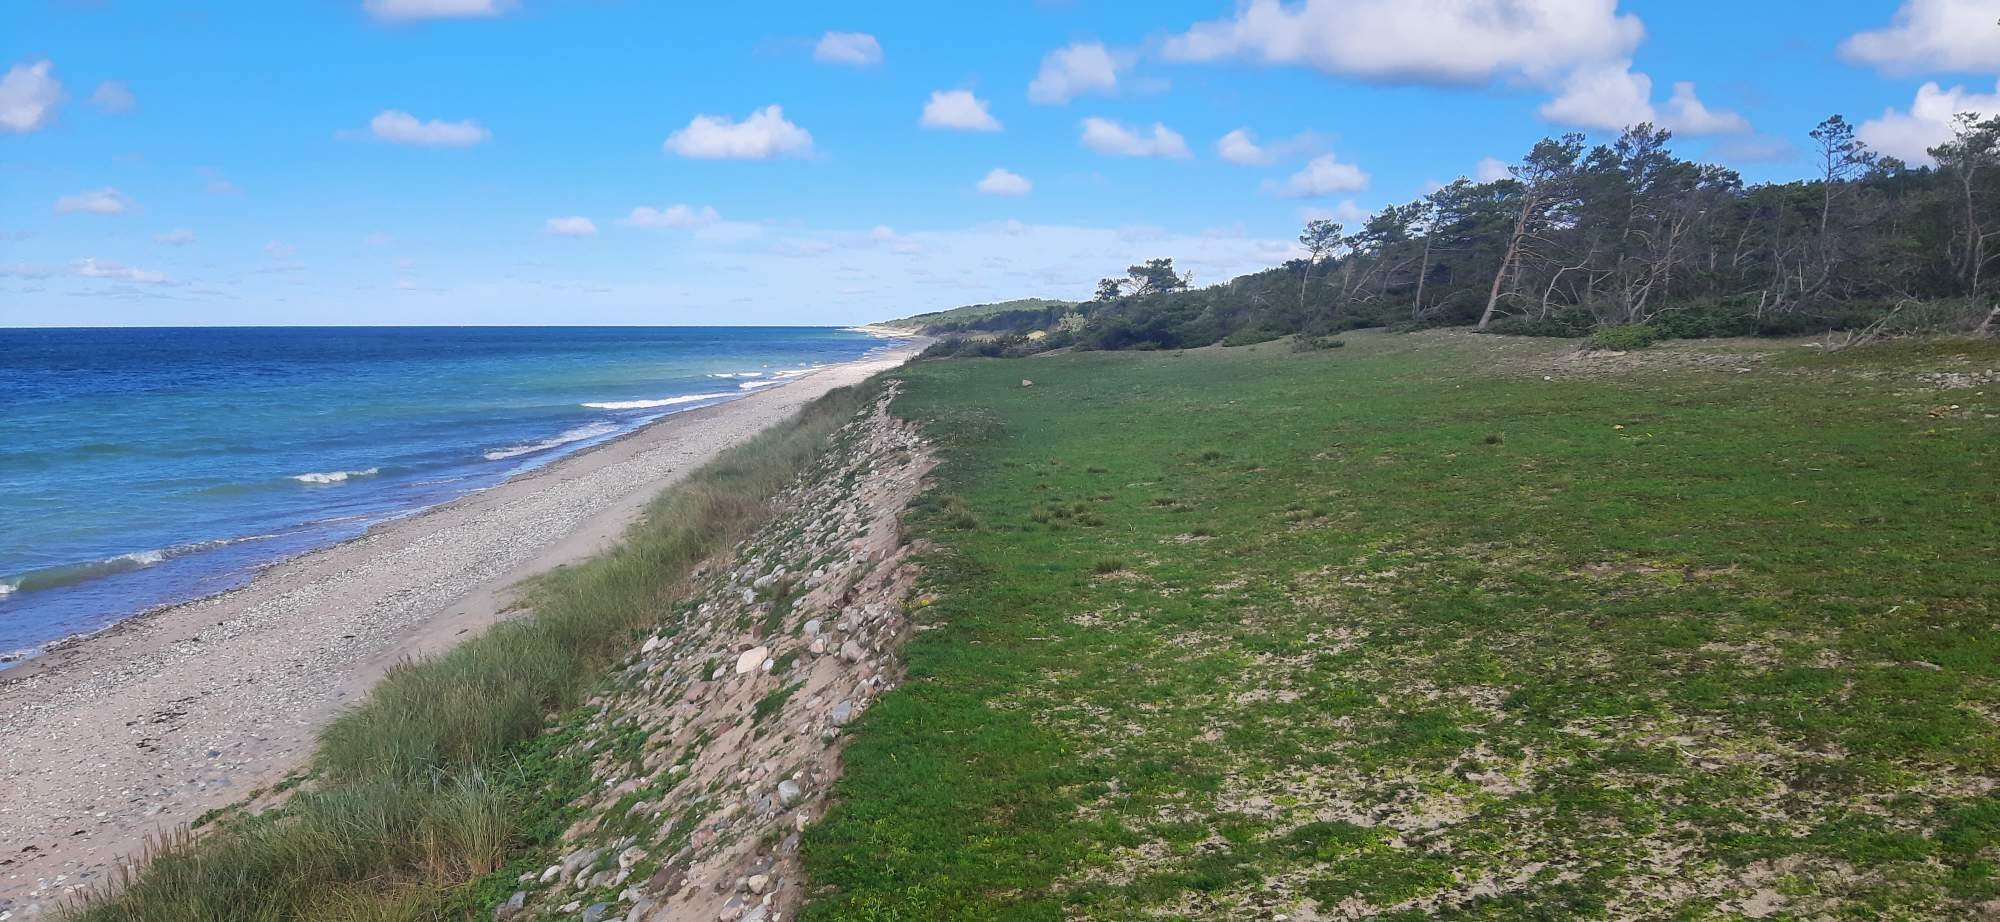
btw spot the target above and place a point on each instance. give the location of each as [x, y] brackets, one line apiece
[618, 161]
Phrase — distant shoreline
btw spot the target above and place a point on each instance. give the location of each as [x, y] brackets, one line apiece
[151, 721]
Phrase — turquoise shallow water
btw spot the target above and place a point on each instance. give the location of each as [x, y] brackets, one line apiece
[141, 467]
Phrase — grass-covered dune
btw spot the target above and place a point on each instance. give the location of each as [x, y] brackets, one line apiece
[1441, 625]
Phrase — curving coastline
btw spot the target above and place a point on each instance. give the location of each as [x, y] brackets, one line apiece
[144, 726]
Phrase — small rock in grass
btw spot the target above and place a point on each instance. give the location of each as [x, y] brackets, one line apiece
[789, 792]
[512, 907]
[851, 651]
[751, 659]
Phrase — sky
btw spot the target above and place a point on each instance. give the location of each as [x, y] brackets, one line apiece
[362, 162]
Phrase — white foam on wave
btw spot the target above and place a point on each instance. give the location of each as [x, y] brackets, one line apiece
[737, 374]
[795, 372]
[335, 476]
[578, 434]
[753, 385]
[649, 404]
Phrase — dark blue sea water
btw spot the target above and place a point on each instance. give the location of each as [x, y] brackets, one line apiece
[140, 467]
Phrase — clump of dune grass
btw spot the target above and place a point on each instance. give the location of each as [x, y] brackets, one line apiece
[409, 802]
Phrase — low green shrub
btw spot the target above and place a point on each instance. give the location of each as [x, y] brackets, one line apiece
[1624, 338]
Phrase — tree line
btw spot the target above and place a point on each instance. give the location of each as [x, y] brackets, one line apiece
[1582, 237]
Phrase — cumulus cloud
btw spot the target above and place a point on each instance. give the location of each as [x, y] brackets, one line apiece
[763, 134]
[114, 97]
[674, 216]
[1243, 149]
[105, 269]
[574, 226]
[1239, 148]
[1686, 114]
[1490, 169]
[105, 201]
[399, 127]
[1324, 175]
[1612, 96]
[857, 49]
[1418, 41]
[179, 236]
[1085, 67]
[1609, 96]
[1108, 137]
[1932, 35]
[1004, 182]
[960, 110]
[29, 94]
[403, 10]
[1911, 133]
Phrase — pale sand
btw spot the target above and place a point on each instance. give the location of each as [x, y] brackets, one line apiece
[146, 726]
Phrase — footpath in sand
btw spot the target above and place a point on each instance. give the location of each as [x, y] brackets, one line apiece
[149, 725]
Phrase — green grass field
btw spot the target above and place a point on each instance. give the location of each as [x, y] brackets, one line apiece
[1441, 625]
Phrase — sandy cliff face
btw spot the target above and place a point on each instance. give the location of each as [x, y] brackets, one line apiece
[721, 736]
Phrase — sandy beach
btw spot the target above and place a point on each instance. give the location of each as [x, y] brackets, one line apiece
[107, 739]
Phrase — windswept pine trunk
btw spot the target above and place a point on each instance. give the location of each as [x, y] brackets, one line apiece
[1506, 259]
[1423, 273]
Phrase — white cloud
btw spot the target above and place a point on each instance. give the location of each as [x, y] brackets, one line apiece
[377, 239]
[280, 251]
[1911, 134]
[1108, 137]
[1612, 96]
[858, 49]
[1419, 41]
[570, 227]
[401, 10]
[1243, 149]
[1932, 35]
[29, 94]
[399, 127]
[1004, 182]
[1686, 114]
[1325, 175]
[114, 97]
[1608, 96]
[1239, 148]
[764, 133]
[95, 201]
[675, 216]
[100, 269]
[958, 109]
[179, 236]
[1085, 67]
[1490, 169]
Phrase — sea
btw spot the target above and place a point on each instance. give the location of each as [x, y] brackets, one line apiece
[145, 467]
